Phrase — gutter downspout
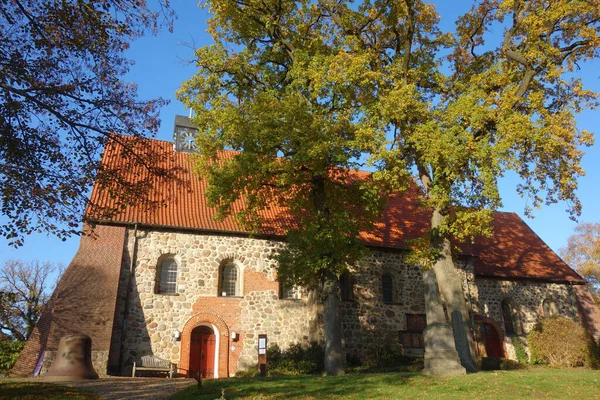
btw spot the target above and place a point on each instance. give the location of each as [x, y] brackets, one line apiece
[127, 296]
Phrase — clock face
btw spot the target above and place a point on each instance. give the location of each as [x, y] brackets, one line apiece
[188, 140]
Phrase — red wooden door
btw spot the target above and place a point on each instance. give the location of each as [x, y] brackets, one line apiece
[202, 352]
[493, 344]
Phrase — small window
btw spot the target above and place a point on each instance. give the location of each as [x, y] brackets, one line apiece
[229, 280]
[167, 282]
[346, 287]
[387, 285]
[509, 317]
[289, 292]
[412, 337]
[549, 308]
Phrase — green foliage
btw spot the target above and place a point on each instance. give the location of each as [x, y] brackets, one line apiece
[297, 359]
[520, 351]
[508, 365]
[558, 342]
[290, 103]
[505, 364]
[593, 351]
[386, 354]
[463, 120]
[9, 352]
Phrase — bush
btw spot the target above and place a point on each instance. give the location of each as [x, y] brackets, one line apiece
[558, 342]
[9, 352]
[508, 365]
[296, 360]
[386, 354]
[520, 351]
[497, 363]
[593, 348]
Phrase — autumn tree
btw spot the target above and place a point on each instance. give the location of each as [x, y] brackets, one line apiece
[318, 84]
[25, 287]
[498, 94]
[277, 108]
[62, 94]
[582, 252]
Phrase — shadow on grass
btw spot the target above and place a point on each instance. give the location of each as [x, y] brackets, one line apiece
[42, 391]
[289, 387]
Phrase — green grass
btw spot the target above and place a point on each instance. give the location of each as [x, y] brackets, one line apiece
[535, 383]
[42, 391]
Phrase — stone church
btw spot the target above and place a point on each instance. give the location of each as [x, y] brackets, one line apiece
[174, 283]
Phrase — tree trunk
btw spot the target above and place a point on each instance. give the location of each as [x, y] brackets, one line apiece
[441, 357]
[334, 363]
[450, 285]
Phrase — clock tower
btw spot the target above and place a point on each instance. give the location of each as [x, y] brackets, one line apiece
[184, 134]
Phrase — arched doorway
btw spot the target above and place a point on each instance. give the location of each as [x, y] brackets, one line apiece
[492, 340]
[203, 344]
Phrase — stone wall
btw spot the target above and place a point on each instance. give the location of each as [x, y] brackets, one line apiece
[366, 320]
[526, 297]
[154, 318]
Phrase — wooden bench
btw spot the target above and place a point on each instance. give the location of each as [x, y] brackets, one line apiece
[152, 363]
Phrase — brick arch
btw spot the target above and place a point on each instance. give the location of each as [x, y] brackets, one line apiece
[230, 257]
[161, 253]
[205, 318]
[481, 319]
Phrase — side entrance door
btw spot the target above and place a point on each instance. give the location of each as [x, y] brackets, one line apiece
[202, 352]
[493, 342]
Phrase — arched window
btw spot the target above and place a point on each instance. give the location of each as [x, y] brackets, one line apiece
[549, 308]
[229, 285]
[167, 280]
[387, 285]
[346, 287]
[511, 319]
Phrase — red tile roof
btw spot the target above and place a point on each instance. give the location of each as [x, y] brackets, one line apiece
[514, 251]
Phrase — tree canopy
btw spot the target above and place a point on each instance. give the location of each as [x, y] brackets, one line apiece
[582, 253]
[278, 86]
[25, 288]
[498, 94]
[61, 96]
[307, 90]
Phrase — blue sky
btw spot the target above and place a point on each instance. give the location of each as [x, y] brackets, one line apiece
[161, 65]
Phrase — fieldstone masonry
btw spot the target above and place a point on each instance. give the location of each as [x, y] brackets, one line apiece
[154, 318]
[526, 297]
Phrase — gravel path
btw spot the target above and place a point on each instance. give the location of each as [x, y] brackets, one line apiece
[132, 388]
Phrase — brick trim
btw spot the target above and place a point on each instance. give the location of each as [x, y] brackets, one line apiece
[224, 336]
